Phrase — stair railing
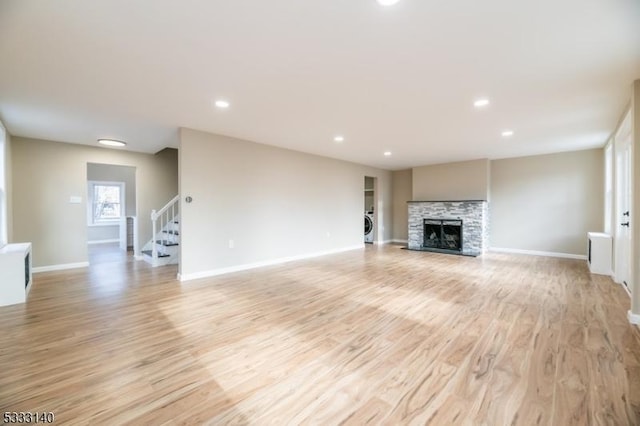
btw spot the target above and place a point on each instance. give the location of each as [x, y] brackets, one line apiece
[163, 217]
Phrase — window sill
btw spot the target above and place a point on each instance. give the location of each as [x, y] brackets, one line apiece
[98, 224]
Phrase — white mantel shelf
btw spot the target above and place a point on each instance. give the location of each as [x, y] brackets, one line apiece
[15, 273]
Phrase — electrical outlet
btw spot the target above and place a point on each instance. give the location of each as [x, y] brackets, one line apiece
[232, 244]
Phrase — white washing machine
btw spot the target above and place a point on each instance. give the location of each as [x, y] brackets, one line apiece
[368, 228]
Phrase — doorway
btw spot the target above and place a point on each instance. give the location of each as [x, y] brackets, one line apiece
[622, 223]
[111, 213]
[370, 210]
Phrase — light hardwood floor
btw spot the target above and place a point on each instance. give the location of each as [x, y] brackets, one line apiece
[376, 336]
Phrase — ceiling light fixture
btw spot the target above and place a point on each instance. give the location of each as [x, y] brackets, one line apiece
[388, 2]
[338, 139]
[507, 133]
[111, 142]
[387, 153]
[481, 103]
[222, 104]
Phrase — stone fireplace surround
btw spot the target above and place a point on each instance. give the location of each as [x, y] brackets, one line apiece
[473, 213]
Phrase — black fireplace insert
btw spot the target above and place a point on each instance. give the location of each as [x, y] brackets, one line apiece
[443, 234]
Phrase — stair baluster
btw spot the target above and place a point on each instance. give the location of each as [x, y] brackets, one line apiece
[163, 224]
[154, 247]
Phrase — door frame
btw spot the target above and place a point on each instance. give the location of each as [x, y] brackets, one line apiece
[623, 154]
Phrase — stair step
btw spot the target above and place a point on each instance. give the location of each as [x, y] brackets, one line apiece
[171, 232]
[150, 253]
[167, 243]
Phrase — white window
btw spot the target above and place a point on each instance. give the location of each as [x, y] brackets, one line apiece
[105, 203]
[608, 187]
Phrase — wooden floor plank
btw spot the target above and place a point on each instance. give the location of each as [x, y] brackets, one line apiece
[374, 336]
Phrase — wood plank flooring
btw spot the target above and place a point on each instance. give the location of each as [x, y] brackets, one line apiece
[374, 336]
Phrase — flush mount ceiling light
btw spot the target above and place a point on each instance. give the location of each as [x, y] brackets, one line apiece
[222, 104]
[481, 103]
[338, 139]
[387, 153]
[507, 133]
[388, 2]
[111, 142]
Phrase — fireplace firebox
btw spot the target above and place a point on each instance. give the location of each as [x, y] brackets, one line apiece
[443, 234]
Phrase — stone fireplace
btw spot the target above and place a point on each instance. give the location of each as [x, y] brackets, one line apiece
[458, 227]
[445, 234]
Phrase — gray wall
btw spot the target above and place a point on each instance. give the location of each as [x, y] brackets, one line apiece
[466, 180]
[402, 192]
[46, 174]
[547, 202]
[274, 203]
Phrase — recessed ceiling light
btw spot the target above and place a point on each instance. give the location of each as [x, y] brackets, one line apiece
[111, 142]
[388, 2]
[387, 153]
[222, 104]
[338, 139]
[507, 133]
[481, 103]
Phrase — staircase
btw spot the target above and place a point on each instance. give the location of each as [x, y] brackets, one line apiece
[164, 249]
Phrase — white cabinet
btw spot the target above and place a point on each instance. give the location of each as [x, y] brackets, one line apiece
[15, 273]
[599, 253]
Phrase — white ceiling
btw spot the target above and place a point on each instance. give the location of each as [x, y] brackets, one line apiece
[297, 73]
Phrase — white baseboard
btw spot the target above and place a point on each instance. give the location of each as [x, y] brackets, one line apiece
[633, 318]
[383, 242]
[538, 253]
[238, 268]
[136, 257]
[391, 242]
[60, 267]
[102, 242]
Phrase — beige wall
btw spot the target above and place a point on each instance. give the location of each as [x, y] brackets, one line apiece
[273, 203]
[547, 202]
[466, 180]
[9, 186]
[402, 192]
[46, 174]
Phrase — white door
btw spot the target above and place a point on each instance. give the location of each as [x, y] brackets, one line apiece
[623, 204]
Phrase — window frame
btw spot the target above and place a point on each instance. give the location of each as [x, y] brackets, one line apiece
[91, 220]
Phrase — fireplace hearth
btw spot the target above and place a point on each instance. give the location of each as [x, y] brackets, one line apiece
[443, 234]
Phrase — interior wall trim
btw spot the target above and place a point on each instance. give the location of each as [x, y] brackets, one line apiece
[246, 266]
[538, 253]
